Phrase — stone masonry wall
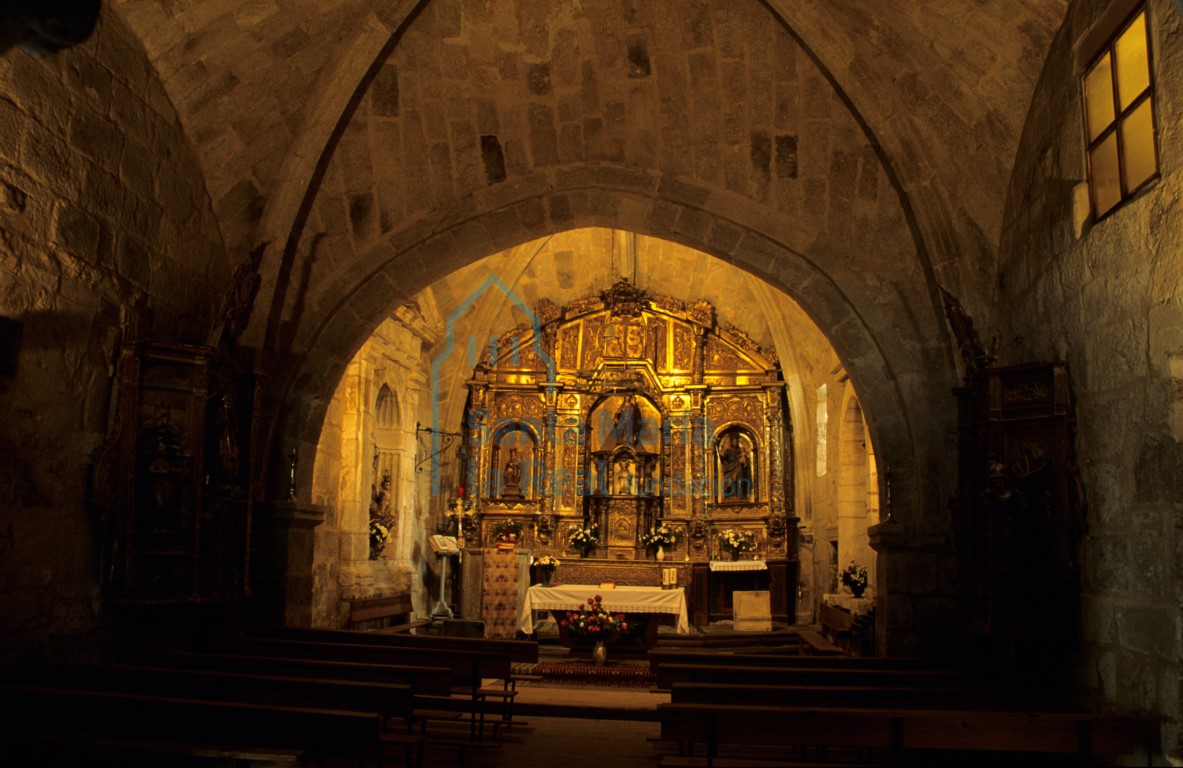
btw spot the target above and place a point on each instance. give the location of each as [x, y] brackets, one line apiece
[1107, 297]
[102, 210]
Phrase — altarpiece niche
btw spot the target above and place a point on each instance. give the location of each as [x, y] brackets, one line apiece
[622, 412]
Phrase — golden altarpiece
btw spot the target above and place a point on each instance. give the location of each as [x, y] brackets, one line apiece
[622, 412]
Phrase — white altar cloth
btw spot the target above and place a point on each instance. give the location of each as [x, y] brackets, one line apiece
[572, 597]
[738, 565]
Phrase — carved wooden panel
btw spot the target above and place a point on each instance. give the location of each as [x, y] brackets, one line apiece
[1019, 518]
[569, 346]
[174, 478]
[748, 410]
[683, 357]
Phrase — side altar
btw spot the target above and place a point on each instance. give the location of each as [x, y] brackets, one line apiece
[622, 421]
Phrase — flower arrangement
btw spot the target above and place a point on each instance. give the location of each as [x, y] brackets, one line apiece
[379, 533]
[547, 566]
[584, 539]
[594, 623]
[854, 576]
[547, 563]
[507, 532]
[736, 542]
[661, 536]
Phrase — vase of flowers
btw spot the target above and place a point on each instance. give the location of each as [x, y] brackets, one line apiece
[659, 538]
[583, 539]
[506, 534]
[594, 623]
[547, 566]
[735, 542]
[854, 578]
[379, 534]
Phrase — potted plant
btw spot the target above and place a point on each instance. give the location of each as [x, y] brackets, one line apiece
[583, 539]
[379, 534]
[854, 578]
[735, 542]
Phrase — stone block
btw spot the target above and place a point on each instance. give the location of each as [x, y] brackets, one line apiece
[1158, 471]
[544, 147]
[384, 93]
[752, 611]
[76, 232]
[1107, 563]
[12, 124]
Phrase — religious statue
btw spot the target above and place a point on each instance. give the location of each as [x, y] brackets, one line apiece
[622, 476]
[381, 502]
[626, 424]
[382, 516]
[511, 475]
[735, 466]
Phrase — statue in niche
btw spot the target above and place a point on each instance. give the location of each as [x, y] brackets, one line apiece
[623, 476]
[382, 502]
[626, 424]
[511, 475]
[735, 468]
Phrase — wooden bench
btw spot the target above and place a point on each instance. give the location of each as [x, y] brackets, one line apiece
[908, 737]
[817, 644]
[378, 610]
[659, 657]
[425, 681]
[393, 702]
[468, 669]
[873, 697]
[429, 685]
[41, 720]
[520, 651]
[669, 674]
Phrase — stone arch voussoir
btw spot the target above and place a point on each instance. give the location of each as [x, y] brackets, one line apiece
[391, 269]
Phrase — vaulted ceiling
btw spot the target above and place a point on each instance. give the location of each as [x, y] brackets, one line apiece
[855, 155]
[942, 89]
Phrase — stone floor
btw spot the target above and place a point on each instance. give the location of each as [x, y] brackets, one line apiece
[571, 728]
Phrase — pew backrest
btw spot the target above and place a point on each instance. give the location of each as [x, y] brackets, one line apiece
[424, 680]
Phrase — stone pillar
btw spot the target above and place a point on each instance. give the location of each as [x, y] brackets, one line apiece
[284, 555]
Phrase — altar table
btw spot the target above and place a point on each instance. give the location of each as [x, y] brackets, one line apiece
[572, 597]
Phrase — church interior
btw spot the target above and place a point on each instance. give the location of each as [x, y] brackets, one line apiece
[315, 315]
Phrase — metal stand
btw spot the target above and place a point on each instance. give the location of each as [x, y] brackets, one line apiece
[441, 610]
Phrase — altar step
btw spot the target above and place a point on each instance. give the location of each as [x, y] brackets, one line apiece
[722, 636]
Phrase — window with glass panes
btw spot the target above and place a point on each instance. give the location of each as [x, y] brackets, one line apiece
[1119, 117]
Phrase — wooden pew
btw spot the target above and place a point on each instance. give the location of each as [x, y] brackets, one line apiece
[430, 685]
[468, 669]
[659, 657]
[393, 702]
[377, 610]
[868, 697]
[520, 651]
[41, 720]
[669, 674]
[908, 737]
[815, 643]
